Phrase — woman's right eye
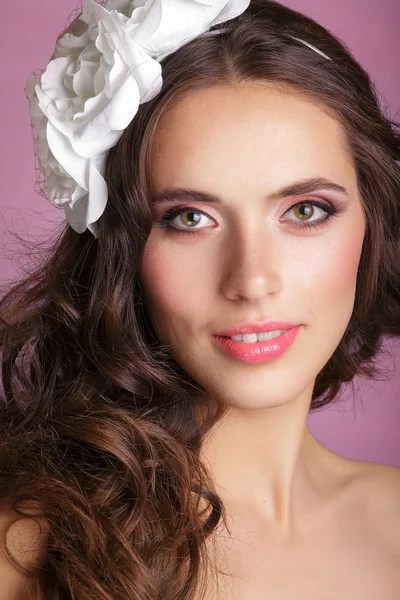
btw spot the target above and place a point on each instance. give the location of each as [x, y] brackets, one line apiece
[191, 217]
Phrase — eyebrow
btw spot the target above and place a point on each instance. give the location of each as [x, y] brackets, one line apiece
[304, 186]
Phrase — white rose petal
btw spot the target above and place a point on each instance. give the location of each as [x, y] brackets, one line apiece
[76, 166]
[184, 20]
[91, 90]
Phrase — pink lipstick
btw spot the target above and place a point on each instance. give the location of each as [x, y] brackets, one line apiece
[257, 352]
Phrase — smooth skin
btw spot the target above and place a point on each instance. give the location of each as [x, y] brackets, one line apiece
[306, 522]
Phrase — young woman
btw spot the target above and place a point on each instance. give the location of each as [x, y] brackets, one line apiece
[230, 258]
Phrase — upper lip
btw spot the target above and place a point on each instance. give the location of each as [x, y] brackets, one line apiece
[257, 328]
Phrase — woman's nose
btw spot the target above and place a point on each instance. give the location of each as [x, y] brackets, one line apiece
[252, 267]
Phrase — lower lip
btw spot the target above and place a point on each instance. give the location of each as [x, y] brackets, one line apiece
[257, 352]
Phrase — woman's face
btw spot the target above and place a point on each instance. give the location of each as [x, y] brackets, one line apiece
[249, 256]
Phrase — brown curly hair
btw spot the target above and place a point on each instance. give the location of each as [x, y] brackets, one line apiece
[100, 428]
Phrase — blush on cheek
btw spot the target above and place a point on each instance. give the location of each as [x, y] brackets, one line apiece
[162, 282]
[340, 273]
[154, 273]
[176, 274]
[348, 260]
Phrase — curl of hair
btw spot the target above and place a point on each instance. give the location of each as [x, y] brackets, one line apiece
[99, 425]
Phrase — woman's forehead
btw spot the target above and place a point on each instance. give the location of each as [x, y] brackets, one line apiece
[249, 134]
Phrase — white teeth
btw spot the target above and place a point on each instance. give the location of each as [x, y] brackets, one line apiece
[250, 338]
[236, 338]
[264, 336]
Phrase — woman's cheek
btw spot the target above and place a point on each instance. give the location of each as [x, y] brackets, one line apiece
[336, 276]
[169, 278]
[157, 274]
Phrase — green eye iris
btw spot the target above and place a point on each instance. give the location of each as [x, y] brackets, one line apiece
[190, 220]
[304, 211]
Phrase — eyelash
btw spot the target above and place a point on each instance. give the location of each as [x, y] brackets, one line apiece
[165, 220]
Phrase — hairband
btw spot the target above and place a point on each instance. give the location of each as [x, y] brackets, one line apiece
[92, 87]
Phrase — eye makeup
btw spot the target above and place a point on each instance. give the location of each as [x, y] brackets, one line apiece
[166, 219]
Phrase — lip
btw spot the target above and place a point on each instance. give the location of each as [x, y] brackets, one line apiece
[257, 352]
[256, 328]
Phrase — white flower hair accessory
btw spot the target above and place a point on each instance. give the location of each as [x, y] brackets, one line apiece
[94, 83]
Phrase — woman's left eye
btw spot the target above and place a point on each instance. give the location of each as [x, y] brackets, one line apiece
[310, 211]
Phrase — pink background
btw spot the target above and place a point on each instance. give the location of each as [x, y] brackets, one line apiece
[364, 427]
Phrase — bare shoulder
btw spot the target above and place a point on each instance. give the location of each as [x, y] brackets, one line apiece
[381, 481]
[364, 479]
[25, 541]
[377, 494]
